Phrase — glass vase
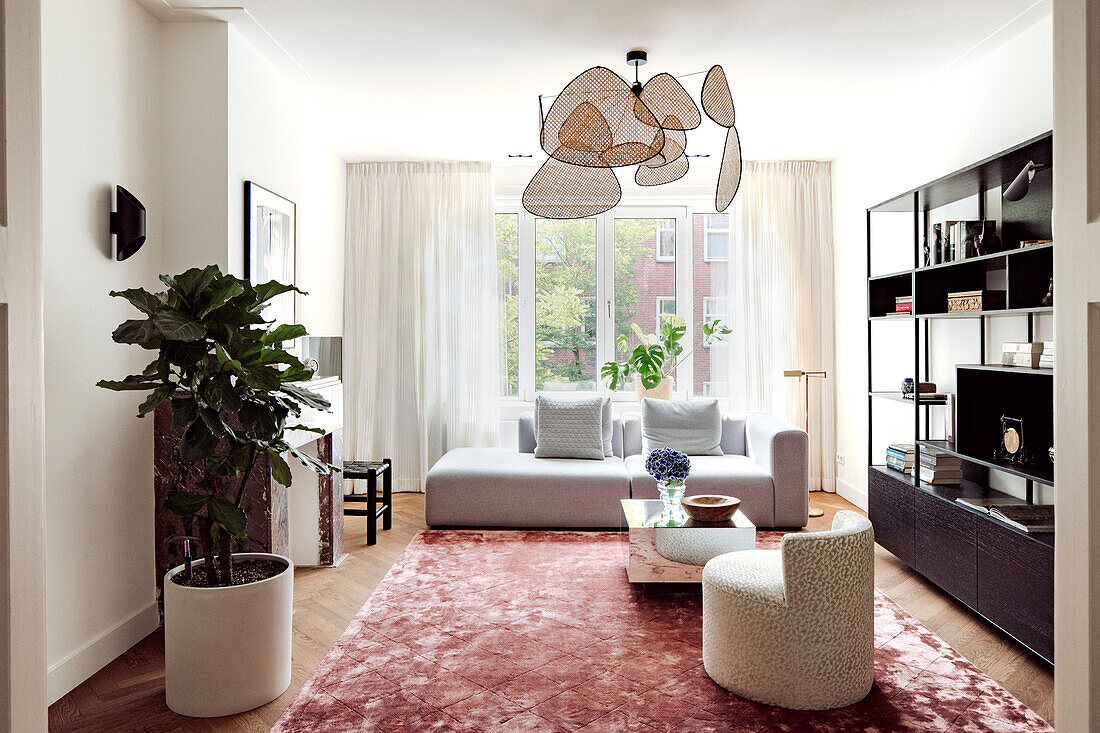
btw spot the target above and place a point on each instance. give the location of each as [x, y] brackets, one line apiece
[671, 491]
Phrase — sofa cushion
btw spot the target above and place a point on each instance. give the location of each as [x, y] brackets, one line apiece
[689, 426]
[738, 476]
[498, 487]
[570, 428]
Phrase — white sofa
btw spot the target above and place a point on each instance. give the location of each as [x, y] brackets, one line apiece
[765, 464]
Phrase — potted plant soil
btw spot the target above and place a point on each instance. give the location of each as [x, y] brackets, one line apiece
[652, 358]
[234, 391]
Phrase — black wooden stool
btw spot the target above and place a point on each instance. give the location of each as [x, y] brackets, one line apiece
[371, 470]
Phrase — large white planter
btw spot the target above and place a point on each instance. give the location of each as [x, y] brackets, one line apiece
[227, 650]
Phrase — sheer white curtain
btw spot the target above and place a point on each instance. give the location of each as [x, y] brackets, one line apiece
[421, 331]
[781, 300]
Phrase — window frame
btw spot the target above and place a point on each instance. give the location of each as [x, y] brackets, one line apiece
[707, 229]
[660, 300]
[660, 229]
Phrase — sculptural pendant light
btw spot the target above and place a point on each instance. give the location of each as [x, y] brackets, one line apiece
[598, 122]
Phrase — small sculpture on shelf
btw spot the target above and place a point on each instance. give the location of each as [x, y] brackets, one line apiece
[1048, 299]
[1012, 449]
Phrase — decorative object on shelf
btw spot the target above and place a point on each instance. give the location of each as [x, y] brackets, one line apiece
[1012, 448]
[1050, 453]
[670, 468]
[269, 247]
[1033, 242]
[1048, 299]
[653, 357]
[968, 301]
[1022, 354]
[908, 386]
[234, 392]
[804, 377]
[127, 223]
[598, 122]
[710, 507]
[1020, 185]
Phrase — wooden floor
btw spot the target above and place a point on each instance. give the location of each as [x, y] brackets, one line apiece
[128, 694]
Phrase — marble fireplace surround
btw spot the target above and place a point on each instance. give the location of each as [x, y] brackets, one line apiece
[305, 523]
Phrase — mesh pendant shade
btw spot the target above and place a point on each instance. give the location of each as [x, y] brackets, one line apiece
[675, 144]
[646, 175]
[669, 102]
[597, 122]
[729, 174]
[565, 191]
[716, 97]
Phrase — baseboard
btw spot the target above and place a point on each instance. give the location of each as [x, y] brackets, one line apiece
[851, 493]
[64, 675]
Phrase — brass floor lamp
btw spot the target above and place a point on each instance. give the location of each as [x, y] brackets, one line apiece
[815, 511]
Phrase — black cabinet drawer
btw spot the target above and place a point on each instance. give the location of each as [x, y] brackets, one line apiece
[944, 548]
[890, 509]
[1016, 585]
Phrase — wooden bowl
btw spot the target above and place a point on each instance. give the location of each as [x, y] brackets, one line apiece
[710, 507]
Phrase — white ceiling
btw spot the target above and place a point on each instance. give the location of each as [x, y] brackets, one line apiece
[447, 79]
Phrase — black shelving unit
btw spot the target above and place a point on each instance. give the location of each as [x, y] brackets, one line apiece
[1003, 574]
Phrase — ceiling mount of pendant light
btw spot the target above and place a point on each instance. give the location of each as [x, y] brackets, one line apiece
[599, 122]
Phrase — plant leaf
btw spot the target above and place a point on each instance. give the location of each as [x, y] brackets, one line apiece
[220, 394]
[140, 298]
[229, 516]
[177, 326]
[306, 397]
[198, 442]
[284, 332]
[160, 394]
[184, 411]
[280, 471]
[134, 381]
[268, 290]
[230, 289]
[258, 421]
[314, 464]
[142, 332]
[185, 503]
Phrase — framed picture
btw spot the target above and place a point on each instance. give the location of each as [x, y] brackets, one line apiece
[269, 246]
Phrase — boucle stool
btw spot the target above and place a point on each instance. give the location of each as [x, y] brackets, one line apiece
[795, 627]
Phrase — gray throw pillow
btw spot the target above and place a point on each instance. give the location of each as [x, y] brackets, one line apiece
[569, 428]
[693, 427]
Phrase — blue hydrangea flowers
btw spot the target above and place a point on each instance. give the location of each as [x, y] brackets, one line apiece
[666, 464]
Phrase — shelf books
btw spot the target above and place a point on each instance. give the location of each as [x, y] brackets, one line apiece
[899, 456]
[1046, 359]
[1026, 517]
[903, 304]
[939, 468]
[984, 503]
[1028, 355]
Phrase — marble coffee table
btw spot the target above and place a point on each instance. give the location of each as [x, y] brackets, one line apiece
[670, 547]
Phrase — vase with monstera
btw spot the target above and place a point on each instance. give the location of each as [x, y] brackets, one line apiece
[670, 468]
[652, 358]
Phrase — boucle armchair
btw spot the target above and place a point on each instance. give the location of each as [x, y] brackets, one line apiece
[794, 627]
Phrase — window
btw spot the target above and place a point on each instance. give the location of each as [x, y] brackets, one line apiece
[565, 305]
[715, 389]
[568, 289]
[507, 230]
[665, 307]
[714, 309]
[666, 240]
[716, 237]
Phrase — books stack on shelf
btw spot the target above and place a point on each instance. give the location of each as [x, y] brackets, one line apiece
[1028, 354]
[928, 393]
[903, 304]
[984, 504]
[899, 456]
[939, 468]
[1046, 359]
[1025, 517]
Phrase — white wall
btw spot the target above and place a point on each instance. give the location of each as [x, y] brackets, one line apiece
[181, 114]
[21, 290]
[101, 127]
[1077, 381]
[195, 144]
[911, 135]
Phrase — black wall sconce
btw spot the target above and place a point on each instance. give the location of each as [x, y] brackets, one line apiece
[127, 223]
[1022, 183]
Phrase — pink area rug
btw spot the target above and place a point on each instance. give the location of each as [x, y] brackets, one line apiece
[540, 631]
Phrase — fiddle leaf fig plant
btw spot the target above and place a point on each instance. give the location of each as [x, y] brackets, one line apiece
[234, 392]
[655, 356]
